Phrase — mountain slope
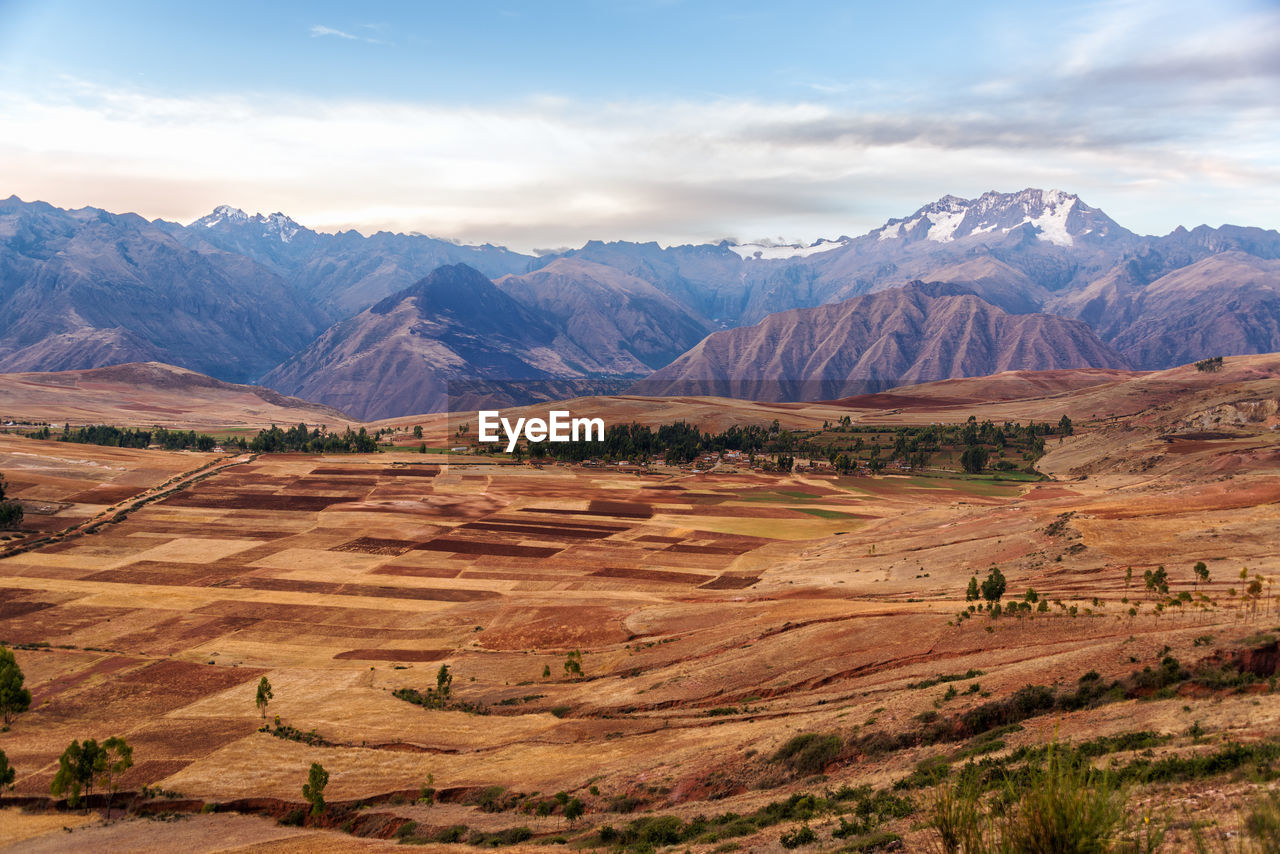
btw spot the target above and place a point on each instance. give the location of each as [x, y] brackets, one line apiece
[1226, 304]
[452, 340]
[913, 334]
[340, 273]
[626, 324]
[150, 393]
[86, 288]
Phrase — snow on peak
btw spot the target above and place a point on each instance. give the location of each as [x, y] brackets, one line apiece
[766, 251]
[281, 226]
[951, 217]
[222, 213]
[276, 226]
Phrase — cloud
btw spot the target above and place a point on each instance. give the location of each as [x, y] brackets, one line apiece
[320, 30]
[552, 170]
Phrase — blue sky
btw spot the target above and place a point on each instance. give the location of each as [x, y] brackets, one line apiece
[543, 125]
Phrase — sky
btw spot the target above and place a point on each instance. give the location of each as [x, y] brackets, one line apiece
[543, 125]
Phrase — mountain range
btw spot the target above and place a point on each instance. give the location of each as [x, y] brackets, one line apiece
[913, 334]
[367, 324]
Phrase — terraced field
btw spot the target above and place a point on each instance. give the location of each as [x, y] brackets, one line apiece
[717, 616]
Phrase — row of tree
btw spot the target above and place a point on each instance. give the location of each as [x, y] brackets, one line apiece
[128, 437]
[315, 441]
[273, 440]
[679, 442]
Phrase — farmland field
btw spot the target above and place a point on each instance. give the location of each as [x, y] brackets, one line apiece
[714, 616]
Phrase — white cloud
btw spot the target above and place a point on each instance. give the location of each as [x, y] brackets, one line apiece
[318, 30]
[551, 171]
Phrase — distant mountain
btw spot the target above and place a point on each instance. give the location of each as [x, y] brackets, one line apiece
[913, 334]
[454, 340]
[1050, 239]
[84, 288]
[1052, 215]
[1025, 252]
[343, 273]
[241, 296]
[625, 323]
[1228, 303]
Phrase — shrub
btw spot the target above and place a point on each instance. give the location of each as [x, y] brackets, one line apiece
[957, 819]
[1263, 822]
[1064, 807]
[294, 817]
[1059, 805]
[809, 753]
[1209, 366]
[653, 830]
[879, 841]
[802, 835]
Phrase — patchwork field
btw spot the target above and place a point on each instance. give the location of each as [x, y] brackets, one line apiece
[717, 616]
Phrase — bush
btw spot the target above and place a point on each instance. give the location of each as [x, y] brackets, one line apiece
[450, 835]
[506, 836]
[957, 819]
[1059, 805]
[1064, 807]
[1263, 821]
[879, 841]
[802, 835]
[653, 830]
[294, 817]
[809, 753]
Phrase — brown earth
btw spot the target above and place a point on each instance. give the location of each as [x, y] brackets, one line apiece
[144, 394]
[707, 639]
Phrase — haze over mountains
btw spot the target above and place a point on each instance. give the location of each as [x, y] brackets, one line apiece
[362, 323]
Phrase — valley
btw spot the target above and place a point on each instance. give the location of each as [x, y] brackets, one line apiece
[651, 642]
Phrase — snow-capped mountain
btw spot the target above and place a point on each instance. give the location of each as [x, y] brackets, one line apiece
[1055, 216]
[765, 251]
[277, 226]
[236, 295]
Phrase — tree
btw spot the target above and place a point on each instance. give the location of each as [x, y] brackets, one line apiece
[313, 789]
[1254, 591]
[7, 773]
[1031, 595]
[546, 671]
[14, 699]
[10, 511]
[417, 431]
[78, 767]
[444, 682]
[974, 459]
[971, 593]
[1209, 366]
[264, 696]
[1202, 573]
[573, 664]
[1157, 581]
[993, 588]
[573, 810]
[117, 759]
[1065, 427]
